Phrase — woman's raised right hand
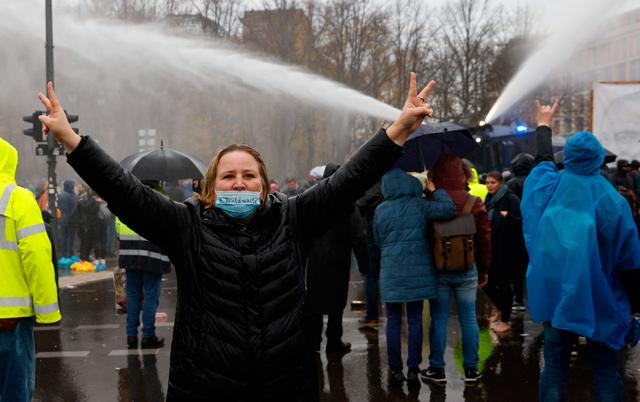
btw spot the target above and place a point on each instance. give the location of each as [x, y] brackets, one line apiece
[56, 120]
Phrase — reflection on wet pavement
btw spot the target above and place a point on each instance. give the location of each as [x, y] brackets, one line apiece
[85, 359]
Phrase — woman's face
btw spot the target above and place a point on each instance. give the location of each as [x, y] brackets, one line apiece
[493, 185]
[238, 171]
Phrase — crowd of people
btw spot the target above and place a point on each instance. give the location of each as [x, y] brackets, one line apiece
[258, 266]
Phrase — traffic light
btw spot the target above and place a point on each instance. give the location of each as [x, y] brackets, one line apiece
[72, 118]
[36, 131]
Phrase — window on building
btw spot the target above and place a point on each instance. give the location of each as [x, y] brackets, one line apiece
[604, 74]
[604, 55]
[620, 72]
[635, 71]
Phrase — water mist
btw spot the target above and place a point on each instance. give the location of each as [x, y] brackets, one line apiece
[198, 94]
[574, 22]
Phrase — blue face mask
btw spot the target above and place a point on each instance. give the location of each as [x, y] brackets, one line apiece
[238, 204]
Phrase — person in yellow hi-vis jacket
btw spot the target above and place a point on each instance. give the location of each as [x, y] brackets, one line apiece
[28, 290]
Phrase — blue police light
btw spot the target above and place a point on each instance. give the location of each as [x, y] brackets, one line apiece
[521, 129]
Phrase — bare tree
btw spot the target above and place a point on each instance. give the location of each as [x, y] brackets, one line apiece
[468, 33]
[128, 10]
[218, 16]
[412, 31]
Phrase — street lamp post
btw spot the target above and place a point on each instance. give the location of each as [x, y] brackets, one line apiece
[51, 140]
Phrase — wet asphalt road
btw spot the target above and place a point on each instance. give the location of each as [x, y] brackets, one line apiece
[84, 358]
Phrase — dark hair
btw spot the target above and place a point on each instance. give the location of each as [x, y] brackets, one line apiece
[494, 174]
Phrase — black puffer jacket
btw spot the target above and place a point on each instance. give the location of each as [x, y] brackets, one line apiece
[238, 333]
[330, 260]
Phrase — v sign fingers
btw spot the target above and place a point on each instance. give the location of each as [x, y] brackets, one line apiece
[56, 121]
[413, 113]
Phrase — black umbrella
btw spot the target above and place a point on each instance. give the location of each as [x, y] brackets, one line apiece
[164, 164]
[429, 141]
[609, 157]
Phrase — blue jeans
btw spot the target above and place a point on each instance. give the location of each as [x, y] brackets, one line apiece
[463, 286]
[371, 281]
[606, 377]
[394, 324]
[137, 283]
[18, 362]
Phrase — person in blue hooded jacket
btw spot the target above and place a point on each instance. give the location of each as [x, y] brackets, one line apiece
[581, 239]
[67, 203]
[407, 273]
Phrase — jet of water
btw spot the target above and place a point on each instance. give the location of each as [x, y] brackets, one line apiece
[575, 23]
[135, 51]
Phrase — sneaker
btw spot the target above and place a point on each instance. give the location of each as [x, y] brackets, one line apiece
[518, 307]
[501, 327]
[412, 376]
[471, 375]
[338, 347]
[152, 342]
[132, 342]
[433, 375]
[396, 377]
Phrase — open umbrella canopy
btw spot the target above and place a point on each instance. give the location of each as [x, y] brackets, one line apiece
[609, 157]
[429, 141]
[164, 164]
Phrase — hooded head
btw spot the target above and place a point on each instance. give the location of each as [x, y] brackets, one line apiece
[396, 183]
[68, 186]
[622, 165]
[330, 169]
[522, 164]
[8, 162]
[583, 154]
[449, 173]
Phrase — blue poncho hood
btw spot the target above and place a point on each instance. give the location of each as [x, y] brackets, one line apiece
[580, 234]
[583, 154]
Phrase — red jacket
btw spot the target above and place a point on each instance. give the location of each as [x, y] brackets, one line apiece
[449, 174]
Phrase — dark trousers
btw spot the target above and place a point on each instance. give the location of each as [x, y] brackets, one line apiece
[139, 284]
[519, 275]
[557, 352]
[87, 235]
[371, 281]
[499, 291]
[394, 324]
[67, 236]
[333, 332]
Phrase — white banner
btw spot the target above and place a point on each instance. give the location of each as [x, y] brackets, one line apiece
[616, 118]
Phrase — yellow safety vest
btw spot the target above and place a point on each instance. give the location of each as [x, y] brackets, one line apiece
[475, 188]
[27, 277]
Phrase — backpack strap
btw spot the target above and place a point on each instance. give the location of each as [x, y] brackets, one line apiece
[469, 205]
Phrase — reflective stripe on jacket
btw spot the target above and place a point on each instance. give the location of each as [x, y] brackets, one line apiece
[137, 253]
[27, 275]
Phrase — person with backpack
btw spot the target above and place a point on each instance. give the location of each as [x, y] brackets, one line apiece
[503, 207]
[472, 260]
[407, 274]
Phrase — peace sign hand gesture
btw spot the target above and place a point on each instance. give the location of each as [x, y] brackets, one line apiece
[415, 110]
[56, 120]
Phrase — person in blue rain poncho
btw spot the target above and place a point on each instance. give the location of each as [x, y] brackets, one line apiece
[581, 239]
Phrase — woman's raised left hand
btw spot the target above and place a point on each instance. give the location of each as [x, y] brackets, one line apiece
[415, 110]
